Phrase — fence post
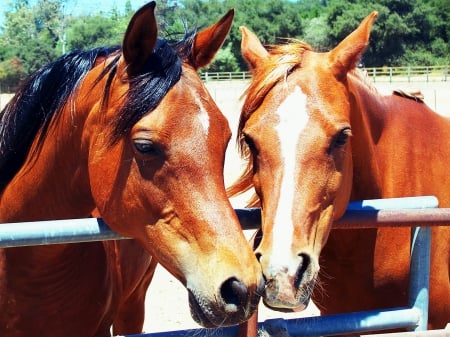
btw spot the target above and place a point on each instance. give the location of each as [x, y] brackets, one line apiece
[420, 273]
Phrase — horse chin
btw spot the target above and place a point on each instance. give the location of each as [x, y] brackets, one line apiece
[212, 316]
[282, 294]
[286, 305]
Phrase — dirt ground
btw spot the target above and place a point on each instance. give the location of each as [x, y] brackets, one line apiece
[166, 302]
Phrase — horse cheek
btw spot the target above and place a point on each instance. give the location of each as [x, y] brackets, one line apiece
[106, 180]
[345, 188]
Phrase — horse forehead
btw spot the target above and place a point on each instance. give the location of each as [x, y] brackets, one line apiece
[284, 113]
[292, 110]
[206, 113]
[189, 109]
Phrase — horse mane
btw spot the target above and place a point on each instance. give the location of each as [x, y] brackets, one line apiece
[282, 61]
[364, 79]
[38, 99]
[44, 93]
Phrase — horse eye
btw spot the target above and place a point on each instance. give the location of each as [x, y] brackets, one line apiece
[146, 147]
[342, 137]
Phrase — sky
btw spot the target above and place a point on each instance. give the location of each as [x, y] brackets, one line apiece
[85, 7]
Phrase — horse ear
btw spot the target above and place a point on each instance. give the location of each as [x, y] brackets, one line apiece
[347, 53]
[140, 39]
[252, 49]
[208, 41]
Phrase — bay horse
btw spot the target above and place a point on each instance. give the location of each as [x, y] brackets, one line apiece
[132, 135]
[316, 135]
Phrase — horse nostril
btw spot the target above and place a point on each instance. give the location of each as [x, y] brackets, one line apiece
[303, 266]
[258, 257]
[234, 292]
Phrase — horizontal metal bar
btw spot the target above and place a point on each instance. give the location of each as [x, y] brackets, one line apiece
[428, 201]
[394, 218]
[427, 333]
[217, 332]
[355, 322]
[54, 232]
[316, 326]
[92, 229]
[368, 218]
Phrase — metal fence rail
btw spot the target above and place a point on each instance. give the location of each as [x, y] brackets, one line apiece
[412, 211]
[365, 214]
[378, 74]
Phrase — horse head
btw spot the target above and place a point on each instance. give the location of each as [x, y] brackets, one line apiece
[139, 141]
[295, 127]
[161, 181]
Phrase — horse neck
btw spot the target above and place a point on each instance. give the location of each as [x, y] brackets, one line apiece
[53, 182]
[367, 121]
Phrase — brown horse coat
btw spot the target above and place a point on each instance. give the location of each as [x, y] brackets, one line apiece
[133, 136]
[317, 134]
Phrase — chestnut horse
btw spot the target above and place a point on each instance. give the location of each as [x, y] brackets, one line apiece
[132, 135]
[317, 134]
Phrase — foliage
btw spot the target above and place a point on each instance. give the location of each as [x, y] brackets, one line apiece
[11, 71]
[407, 32]
[32, 33]
[94, 31]
[224, 61]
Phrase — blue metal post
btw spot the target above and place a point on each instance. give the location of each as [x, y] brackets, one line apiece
[420, 273]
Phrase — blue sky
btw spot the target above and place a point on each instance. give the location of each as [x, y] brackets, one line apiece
[78, 7]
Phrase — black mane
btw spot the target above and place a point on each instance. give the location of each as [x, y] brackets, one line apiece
[46, 92]
[40, 96]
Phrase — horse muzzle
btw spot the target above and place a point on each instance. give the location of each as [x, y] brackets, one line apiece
[282, 292]
[234, 304]
[290, 288]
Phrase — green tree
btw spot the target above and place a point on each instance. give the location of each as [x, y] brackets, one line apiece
[407, 32]
[316, 33]
[11, 72]
[33, 33]
[95, 31]
[271, 21]
[225, 61]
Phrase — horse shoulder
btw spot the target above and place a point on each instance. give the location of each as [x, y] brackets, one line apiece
[61, 279]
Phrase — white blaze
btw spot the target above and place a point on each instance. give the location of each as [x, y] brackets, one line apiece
[203, 116]
[293, 120]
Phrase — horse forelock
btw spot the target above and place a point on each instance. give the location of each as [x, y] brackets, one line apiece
[282, 61]
[41, 96]
[146, 90]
